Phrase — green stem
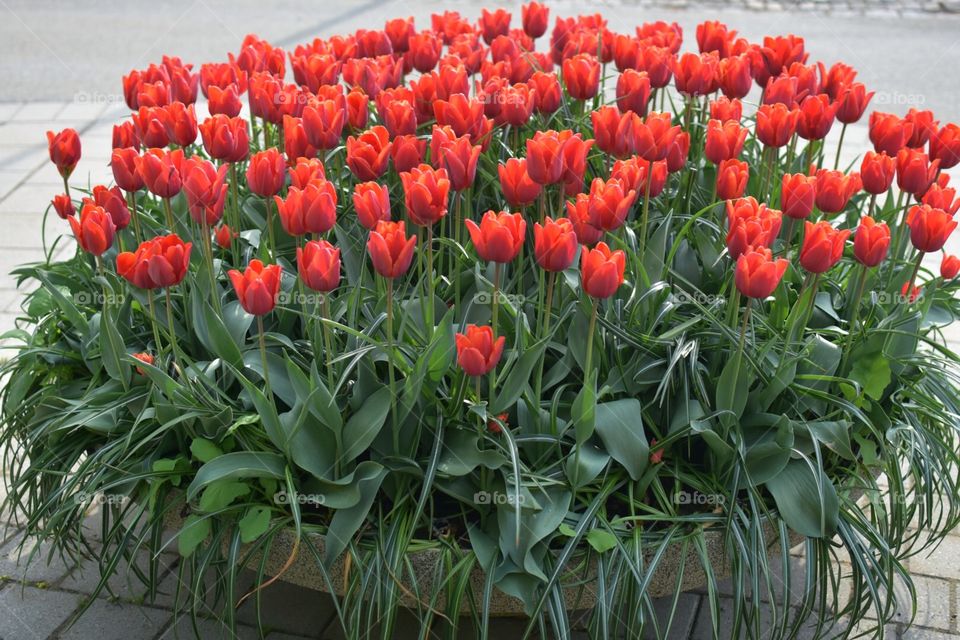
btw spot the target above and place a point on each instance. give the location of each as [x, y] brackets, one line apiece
[168, 211]
[174, 345]
[132, 196]
[327, 341]
[590, 331]
[273, 244]
[646, 210]
[547, 312]
[153, 321]
[390, 367]
[854, 315]
[263, 357]
[430, 285]
[208, 254]
[836, 162]
[496, 296]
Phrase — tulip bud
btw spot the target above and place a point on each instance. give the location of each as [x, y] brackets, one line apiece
[797, 195]
[63, 205]
[871, 242]
[372, 203]
[391, 251]
[822, 246]
[601, 270]
[949, 267]
[257, 287]
[757, 273]
[319, 265]
[64, 149]
[554, 244]
[498, 237]
[477, 350]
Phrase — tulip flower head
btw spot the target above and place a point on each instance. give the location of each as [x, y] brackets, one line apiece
[498, 237]
[391, 251]
[601, 270]
[371, 201]
[949, 267]
[257, 287]
[750, 224]
[425, 191]
[63, 205]
[157, 263]
[871, 242]
[318, 263]
[478, 352]
[929, 227]
[822, 246]
[266, 172]
[518, 189]
[757, 273]
[94, 229]
[555, 244]
[797, 195]
[64, 149]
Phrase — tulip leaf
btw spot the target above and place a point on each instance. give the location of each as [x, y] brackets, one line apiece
[254, 524]
[732, 387]
[308, 444]
[519, 378]
[583, 412]
[112, 350]
[364, 425]
[620, 427]
[806, 498]
[346, 522]
[194, 531]
[241, 464]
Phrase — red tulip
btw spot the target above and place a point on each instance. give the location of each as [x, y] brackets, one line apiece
[776, 124]
[160, 262]
[477, 350]
[64, 148]
[151, 126]
[834, 190]
[397, 115]
[633, 91]
[776, 54]
[554, 244]
[942, 198]
[311, 210]
[534, 17]
[877, 172]
[498, 237]
[181, 123]
[94, 230]
[145, 358]
[257, 287]
[945, 146]
[852, 102]
[609, 203]
[368, 153]
[224, 101]
[578, 212]
[125, 135]
[677, 152]
[266, 172]
[929, 227]
[425, 192]
[160, 171]
[658, 63]
[816, 117]
[949, 267]
[736, 76]
[124, 162]
[390, 250]
[822, 246]
[724, 140]
[63, 205]
[655, 137]
[758, 274]
[581, 76]
[113, 202]
[464, 115]
[732, 176]
[601, 270]
[545, 157]
[494, 23]
[517, 103]
[871, 242]
[316, 70]
[407, 152]
[750, 224]
[612, 130]
[206, 189]
[358, 106]
[518, 189]
[797, 195]
[225, 139]
[305, 171]
[547, 93]
[323, 122]
[319, 265]
[714, 37]
[224, 236]
[459, 158]
[724, 110]
[696, 74]
[372, 203]
[889, 133]
[923, 126]
[915, 172]
[575, 150]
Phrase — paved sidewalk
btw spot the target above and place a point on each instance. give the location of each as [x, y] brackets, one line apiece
[61, 67]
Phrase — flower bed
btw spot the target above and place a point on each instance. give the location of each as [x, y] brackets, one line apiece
[541, 314]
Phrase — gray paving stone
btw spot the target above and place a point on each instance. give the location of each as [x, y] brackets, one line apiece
[116, 621]
[22, 158]
[38, 112]
[942, 562]
[9, 109]
[182, 629]
[918, 633]
[43, 568]
[936, 604]
[29, 199]
[123, 584]
[32, 614]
